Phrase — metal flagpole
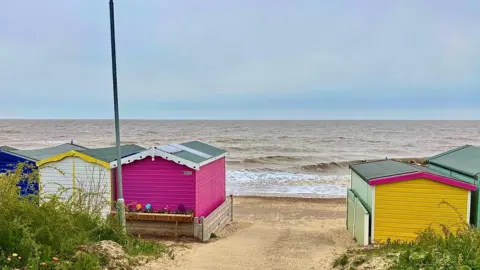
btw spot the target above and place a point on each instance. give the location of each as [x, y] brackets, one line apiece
[120, 200]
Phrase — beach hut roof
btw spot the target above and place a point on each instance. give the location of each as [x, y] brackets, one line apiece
[202, 153]
[390, 171]
[6, 148]
[371, 170]
[39, 154]
[464, 159]
[192, 154]
[109, 154]
[100, 156]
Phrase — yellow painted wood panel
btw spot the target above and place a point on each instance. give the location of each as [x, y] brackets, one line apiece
[403, 209]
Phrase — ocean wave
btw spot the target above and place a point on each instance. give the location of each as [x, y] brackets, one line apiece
[229, 140]
[123, 142]
[236, 148]
[335, 139]
[256, 182]
[281, 177]
[11, 131]
[329, 166]
[263, 148]
[325, 166]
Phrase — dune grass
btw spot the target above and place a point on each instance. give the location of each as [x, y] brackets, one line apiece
[431, 250]
[40, 233]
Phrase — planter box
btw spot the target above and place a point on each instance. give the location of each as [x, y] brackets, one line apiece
[159, 224]
[150, 228]
[157, 217]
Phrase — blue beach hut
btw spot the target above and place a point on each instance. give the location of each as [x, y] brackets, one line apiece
[11, 157]
[9, 162]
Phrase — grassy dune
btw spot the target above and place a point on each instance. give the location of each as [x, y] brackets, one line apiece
[51, 233]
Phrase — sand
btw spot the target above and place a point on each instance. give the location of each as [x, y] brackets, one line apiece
[268, 233]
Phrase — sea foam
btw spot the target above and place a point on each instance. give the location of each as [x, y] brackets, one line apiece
[279, 183]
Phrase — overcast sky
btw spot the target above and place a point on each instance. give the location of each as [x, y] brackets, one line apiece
[242, 59]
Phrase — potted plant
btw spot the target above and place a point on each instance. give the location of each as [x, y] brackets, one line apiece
[164, 210]
[181, 209]
[138, 208]
[131, 207]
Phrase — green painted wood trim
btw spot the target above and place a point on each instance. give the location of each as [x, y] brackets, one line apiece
[350, 211]
[362, 221]
[362, 190]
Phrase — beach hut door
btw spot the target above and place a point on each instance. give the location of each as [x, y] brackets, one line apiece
[358, 219]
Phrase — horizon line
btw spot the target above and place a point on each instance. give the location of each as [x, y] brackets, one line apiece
[206, 119]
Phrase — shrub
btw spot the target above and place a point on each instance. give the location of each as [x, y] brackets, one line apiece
[437, 251]
[431, 250]
[39, 230]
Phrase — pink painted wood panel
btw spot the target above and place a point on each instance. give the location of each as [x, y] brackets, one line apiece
[160, 182]
[210, 188]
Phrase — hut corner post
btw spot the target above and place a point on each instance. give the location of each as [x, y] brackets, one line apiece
[202, 221]
[231, 207]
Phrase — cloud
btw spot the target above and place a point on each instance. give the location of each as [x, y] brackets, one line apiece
[55, 53]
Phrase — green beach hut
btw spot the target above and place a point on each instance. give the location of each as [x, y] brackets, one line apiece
[462, 163]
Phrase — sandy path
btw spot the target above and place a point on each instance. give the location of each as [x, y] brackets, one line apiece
[269, 233]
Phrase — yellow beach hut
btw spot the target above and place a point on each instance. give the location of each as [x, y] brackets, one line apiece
[87, 171]
[389, 200]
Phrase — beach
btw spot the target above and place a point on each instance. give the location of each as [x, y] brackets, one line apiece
[289, 178]
[268, 233]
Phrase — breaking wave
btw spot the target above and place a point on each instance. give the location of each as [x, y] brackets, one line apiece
[268, 159]
[11, 131]
[258, 182]
[326, 166]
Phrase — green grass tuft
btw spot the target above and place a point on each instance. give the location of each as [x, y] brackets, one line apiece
[135, 247]
[341, 261]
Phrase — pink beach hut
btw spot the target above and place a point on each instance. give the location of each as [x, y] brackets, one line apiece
[188, 176]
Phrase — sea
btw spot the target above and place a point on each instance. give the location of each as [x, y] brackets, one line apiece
[265, 158]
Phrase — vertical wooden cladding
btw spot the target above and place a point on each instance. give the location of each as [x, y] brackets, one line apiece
[56, 176]
[362, 190]
[95, 179]
[361, 224]
[350, 211]
[216, 220]
[64, 176]
[403, 209]
[358, 219]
